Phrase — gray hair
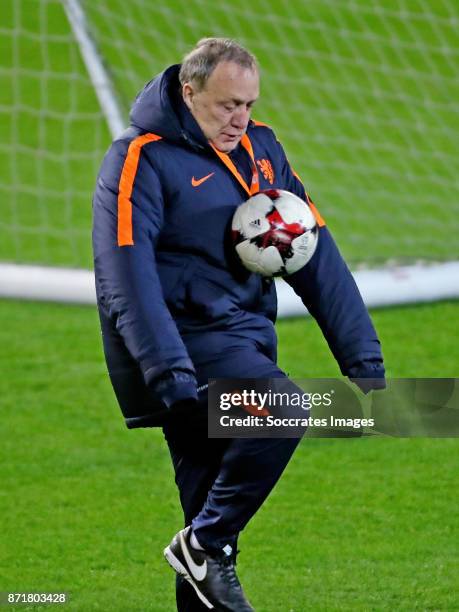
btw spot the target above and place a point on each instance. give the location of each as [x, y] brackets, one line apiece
[200, 62]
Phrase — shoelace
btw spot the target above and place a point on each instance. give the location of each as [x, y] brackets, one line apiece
[227, 569]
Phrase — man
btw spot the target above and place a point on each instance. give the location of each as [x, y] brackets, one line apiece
[176, 308]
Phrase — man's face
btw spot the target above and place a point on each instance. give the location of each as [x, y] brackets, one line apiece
[222, 108]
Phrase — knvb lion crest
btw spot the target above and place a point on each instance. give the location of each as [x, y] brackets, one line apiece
[267, 169]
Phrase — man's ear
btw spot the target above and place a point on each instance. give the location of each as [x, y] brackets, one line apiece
[187, 93]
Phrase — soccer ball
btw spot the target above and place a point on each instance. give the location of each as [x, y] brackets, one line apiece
[274, 232]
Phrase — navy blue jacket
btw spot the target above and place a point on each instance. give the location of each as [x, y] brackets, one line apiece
[170, 292]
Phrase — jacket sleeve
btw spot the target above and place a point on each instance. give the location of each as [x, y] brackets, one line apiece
[328, 290]
[127, 282]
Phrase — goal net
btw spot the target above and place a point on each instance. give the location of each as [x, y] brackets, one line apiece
[363, 94]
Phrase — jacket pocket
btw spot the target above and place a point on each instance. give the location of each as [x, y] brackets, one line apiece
[174, 277]
[208, 300]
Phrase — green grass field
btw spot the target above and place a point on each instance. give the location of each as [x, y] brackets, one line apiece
[364, 97]
[86, 506]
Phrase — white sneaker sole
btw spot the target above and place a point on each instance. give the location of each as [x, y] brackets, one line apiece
[180, 569]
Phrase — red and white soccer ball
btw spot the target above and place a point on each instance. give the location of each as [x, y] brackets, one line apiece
[275, 233]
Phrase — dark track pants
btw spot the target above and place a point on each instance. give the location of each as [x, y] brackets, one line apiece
[223, 482]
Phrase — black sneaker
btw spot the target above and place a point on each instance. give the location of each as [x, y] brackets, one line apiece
[212, 576]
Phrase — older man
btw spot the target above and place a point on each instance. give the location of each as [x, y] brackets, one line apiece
[176, 308]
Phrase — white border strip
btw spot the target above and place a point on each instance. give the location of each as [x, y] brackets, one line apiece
[381, 287]
[95, 67]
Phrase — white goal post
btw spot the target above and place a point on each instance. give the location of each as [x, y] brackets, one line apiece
[101, 81]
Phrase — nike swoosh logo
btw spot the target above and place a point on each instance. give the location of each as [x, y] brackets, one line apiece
[197, 182]
[197, 571]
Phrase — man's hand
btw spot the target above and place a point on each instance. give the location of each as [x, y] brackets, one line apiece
[368, 375]
[174, 388]
[369, 384]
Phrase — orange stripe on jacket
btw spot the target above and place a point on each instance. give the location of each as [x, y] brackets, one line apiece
[295, 174]
[315, 212]
[318, 217]
[260, 124]
[126, 185]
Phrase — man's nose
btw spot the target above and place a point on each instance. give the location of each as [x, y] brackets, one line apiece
[241, 117]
